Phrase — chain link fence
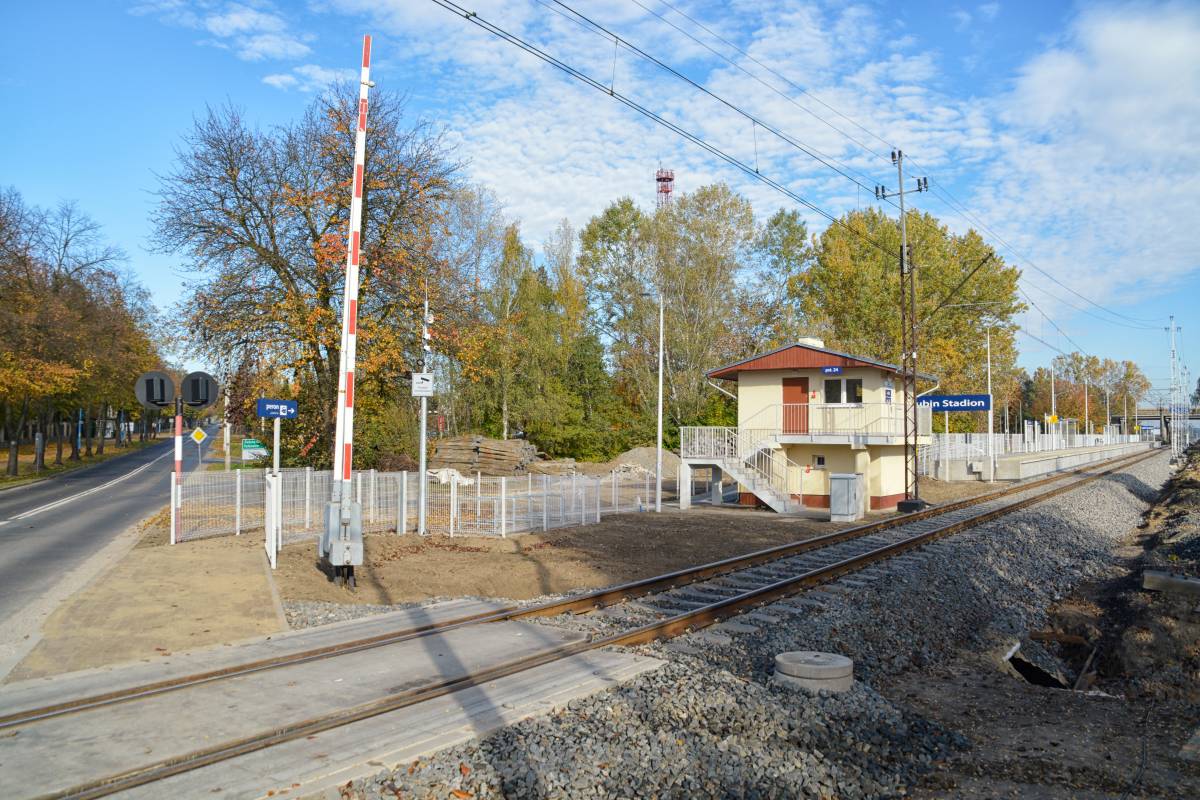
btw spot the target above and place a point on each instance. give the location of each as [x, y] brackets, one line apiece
[232, 503]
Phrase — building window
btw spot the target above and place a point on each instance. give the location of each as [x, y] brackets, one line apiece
[819, 462]
[833, 390]
[854, 390]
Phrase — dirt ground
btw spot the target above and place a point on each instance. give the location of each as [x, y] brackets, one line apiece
[1035, 742]
[1140, 649]
[620, 548]
[161, 599]
[157, 600]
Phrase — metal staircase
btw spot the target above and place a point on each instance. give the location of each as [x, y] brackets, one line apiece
[753, 458]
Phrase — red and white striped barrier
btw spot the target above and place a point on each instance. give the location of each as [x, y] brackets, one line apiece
[344, 436]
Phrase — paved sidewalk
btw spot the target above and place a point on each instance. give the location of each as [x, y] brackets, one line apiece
[157, 601]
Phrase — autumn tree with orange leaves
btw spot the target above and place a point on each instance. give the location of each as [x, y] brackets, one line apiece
[75, 330]
[261, 218]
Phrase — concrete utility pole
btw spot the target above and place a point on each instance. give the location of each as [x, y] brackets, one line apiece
[908, 344]
[1107, 413]
[1053, 396]
[1174, 399]
[1087, 422]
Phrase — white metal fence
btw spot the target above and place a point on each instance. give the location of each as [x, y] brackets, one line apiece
[945, 447]
[225, 503]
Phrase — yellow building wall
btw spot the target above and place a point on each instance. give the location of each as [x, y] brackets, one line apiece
[882, 468]
[890, 464]
[758, 391]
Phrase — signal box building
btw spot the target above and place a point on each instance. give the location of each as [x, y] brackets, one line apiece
[806, 413]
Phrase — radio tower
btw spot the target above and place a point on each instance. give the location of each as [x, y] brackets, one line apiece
[664, 181]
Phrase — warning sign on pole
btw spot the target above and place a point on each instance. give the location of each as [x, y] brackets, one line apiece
[422, 384]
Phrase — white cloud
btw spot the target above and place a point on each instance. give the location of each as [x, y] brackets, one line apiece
[281, 80]
[308, 78]
[253, 33]
[1095, 171]
[1086, 163]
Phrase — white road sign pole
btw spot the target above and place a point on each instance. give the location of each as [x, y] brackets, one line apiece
[421, 478]
[228, 455]
[275, 464]
[178, 465]
[344, 435]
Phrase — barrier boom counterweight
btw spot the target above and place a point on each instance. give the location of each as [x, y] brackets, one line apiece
[342, 541]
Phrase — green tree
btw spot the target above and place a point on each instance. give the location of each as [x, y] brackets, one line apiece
[851, 297]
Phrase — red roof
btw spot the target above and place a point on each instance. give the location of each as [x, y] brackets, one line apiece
[801, 356]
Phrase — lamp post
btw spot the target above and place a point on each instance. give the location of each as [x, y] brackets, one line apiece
[658, 468]
[1087, 421]
[658, 454]
[991, 413]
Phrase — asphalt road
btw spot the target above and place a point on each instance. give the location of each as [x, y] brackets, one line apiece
[50, 527]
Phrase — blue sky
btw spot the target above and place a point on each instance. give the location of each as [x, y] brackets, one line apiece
[1069, 130]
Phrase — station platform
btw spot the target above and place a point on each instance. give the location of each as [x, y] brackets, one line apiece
[1018, 466]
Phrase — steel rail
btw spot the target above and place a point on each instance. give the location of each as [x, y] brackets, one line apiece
[663, 629]
[578, 604]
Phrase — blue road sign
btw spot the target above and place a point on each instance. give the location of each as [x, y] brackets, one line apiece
[832, 370]
[956, 402]
[283, 409]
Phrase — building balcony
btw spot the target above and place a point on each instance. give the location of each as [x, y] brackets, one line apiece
[853, 424]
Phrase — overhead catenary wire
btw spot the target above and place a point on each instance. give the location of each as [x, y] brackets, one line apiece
[631, 47]
[752, 171]
[757, 78]
[945, 194]
[960, 208]
[1053, 324]
[779, 75]
[474, 18]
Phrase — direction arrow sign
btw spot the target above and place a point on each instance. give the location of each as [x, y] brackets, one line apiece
[198, 436]
[281, 409]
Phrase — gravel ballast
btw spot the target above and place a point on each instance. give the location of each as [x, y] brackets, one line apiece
[711, 723]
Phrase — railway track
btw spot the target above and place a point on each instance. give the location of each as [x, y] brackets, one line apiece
[681, 601]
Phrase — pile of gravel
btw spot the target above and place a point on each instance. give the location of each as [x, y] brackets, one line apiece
[310, 613]
[976, 590]
[683, 732]
[712, 724]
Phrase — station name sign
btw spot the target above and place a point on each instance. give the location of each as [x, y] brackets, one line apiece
[957, 402]
[831, 370]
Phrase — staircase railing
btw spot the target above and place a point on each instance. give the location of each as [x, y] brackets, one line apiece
[748, 448]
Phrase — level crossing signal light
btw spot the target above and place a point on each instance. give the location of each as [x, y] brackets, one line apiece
[156, 390]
